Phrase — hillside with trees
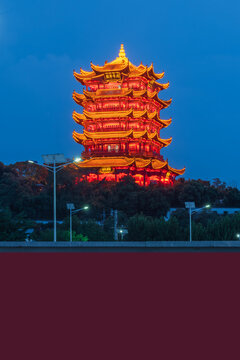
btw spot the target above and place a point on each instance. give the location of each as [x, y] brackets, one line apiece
[26, 196]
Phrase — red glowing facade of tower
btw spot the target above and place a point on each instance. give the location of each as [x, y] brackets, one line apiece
[122, 123]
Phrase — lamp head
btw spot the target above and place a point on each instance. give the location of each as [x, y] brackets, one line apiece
[70, 206]
[190, 205]
[54, 158]
[32, 162]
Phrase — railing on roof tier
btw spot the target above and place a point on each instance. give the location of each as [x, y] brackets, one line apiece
[123, 128]
[129, 153]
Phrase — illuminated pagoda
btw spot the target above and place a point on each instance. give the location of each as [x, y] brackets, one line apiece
[121, 121]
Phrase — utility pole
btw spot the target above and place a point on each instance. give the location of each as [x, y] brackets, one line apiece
[190, 205]
[72, 210]
[54, 202]
[115, 225]
[190, 224]
[54, 163]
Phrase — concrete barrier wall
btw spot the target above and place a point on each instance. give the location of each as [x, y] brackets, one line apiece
[119, 246]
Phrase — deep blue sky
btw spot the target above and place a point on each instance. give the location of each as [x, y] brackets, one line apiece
[196, 43]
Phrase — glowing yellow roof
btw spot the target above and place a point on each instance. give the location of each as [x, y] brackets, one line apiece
[81, 138]
[121, 161]
[142, 163]
[176, 171]
[107, 114]
[106, 162]
[155, 116]
[157, 164]
[80, 118]
[83, 78]
[120, 64]
[102, 135]
[81, 99]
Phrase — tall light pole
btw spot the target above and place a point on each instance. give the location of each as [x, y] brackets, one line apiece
[72, 211]
[115, 224]
[54, 163]
[190, 206]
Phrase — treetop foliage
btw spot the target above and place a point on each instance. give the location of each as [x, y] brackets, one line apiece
[28, 187]
[26, 192]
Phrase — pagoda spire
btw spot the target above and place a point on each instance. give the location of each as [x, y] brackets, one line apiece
[122, 53]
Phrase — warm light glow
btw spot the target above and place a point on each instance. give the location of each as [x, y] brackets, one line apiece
[122, 51]
[78, 159]
[122, 123]
[106, 170]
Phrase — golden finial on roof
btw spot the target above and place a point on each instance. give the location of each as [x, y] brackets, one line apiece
[122, 52]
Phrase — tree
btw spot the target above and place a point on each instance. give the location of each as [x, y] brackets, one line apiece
[224, 228]
[232, 198]
[217, 183]
[13, 228]
[174, 232]
[199, 232]
[32, 172]
[192, 191]
[92, 230]
[62, 235]
[143, 228]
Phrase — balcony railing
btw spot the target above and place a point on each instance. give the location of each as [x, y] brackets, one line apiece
[117, 128]
[129, 153]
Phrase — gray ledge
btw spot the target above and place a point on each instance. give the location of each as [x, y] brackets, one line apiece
[119, 246]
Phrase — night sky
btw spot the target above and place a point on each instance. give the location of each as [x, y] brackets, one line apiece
[195, 42]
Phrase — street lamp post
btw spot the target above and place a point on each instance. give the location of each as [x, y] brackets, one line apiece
[190, 206]
[72, 211]
[54, 163]
[54, 202]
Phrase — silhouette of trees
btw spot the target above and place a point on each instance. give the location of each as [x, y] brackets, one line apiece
[13, 228]
[28, 188]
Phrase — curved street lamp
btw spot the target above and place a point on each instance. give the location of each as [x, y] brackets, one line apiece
[190, 206]
[72, 210]
[54, 163]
